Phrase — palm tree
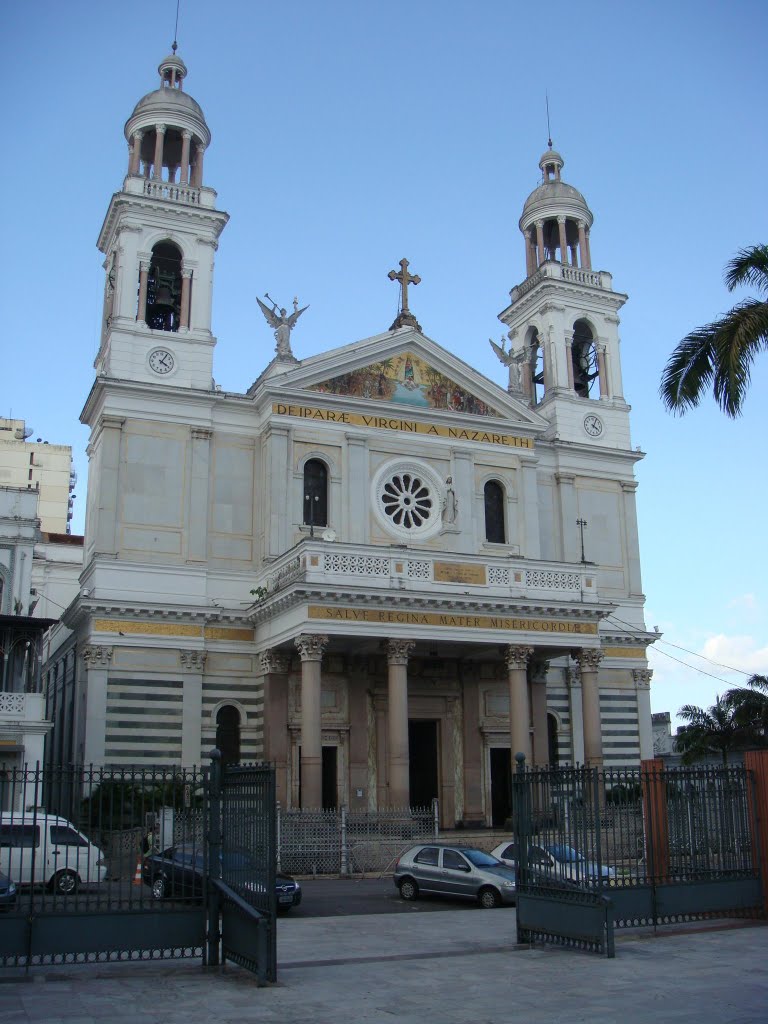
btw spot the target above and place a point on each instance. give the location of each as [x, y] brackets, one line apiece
[751, 702]
[716, 730]
[720, 354]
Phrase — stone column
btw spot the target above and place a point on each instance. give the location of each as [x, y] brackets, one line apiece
[538, 674]
[355, 494]
[186, 138]
[275, 667]
[540, 240]
[582, 245]
[563, 244]
[278, 448]
[634, 580]
[200, 457]
[569, 513]
[107, 510]
[157, 163]
[588, 260]
[642, 678]
[192, 669]
[473, 751]
[96, 659]
[574, 255]
[197, 172]
[530, 256]
[310, 648]
[141, 312]
[589, 660]
[519, 706]
[186, 281]
[398, 652]
[602, 375]
[573, 682]
[568, 338]
[133, 167]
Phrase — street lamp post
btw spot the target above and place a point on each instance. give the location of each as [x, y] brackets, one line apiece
[582, 523]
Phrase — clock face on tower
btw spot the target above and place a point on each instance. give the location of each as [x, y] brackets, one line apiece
[593, 425]
[161, 360]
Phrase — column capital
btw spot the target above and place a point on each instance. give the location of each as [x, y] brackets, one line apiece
[112, 422]
[572, 677]
[144, 265]
[561, 220]
[138, 134]
[160, 129]
[97, 656]
[186, 134]
[518, 657]
[565, 478]
[589, 659]
[193, 661]
[275, 662]
[201, 433]
[311, 646]
[538, 672]
[642, 677]
[628, 485]
[398, 651]
[539, 223]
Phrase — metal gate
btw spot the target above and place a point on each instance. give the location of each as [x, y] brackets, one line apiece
[99, 858]
[597, 850]
[139, 864]
[242, 900]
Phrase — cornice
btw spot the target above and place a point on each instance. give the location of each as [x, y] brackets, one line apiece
[153, 208]
[549, 288]
[83, 609]
[299, 593]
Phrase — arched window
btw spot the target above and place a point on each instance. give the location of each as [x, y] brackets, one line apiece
[584, 358]
[228, 734]
[315, 493]
[164, 288]
[494, 513]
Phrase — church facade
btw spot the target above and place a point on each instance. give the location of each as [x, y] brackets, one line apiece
[374, 567]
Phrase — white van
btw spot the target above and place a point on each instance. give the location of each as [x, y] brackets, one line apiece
[42, 849]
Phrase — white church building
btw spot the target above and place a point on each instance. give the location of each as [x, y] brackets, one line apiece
[369, 566]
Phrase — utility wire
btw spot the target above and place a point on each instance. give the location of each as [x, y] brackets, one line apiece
[678, 647]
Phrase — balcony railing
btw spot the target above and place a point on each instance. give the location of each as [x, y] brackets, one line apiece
[332, 565]
[22, 707]
[562, 272]
[174, 193]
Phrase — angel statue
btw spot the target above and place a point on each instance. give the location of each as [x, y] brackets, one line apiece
[282, 324]
[513, 361]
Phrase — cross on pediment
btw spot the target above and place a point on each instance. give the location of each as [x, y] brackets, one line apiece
[405, 317]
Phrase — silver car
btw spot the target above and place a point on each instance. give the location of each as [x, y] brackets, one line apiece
[454, 871]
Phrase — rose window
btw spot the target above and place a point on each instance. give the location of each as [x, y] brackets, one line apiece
[407, 500]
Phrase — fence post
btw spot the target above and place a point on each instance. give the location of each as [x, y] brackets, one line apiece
[655, 817]
[344, 845]
[278, 835]
[756, 763]
[436, 816]
[214, 860]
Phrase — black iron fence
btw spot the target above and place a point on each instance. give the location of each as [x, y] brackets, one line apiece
[632, 846]
[87, 851]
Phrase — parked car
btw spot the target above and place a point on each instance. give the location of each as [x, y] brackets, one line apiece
[7, 892]
[37, 848]
[461, 871]
[179, 871]
[558, 860]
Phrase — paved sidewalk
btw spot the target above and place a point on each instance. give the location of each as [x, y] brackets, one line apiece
[421, 969]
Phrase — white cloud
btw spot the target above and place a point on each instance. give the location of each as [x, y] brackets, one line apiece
[744, 602]
[737, 652]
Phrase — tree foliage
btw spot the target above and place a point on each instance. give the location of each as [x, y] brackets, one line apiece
[720, 355]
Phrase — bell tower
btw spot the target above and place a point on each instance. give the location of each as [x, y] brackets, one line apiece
[159, 238]
[562, 319]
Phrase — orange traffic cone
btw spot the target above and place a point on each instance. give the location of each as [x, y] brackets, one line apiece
[137, 879]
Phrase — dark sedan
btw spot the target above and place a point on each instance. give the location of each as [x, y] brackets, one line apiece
[7, 892]
[178, 872]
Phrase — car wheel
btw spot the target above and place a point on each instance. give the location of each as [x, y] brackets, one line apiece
[159, 887]
[489, 899]
[65, 883]
[408, 889]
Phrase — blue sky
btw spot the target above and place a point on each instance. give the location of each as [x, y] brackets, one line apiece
[347, 135]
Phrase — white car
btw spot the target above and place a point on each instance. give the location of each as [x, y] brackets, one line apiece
[37, 848]
[556, 859]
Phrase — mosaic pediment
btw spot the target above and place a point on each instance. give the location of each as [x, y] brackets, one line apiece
[407, 380]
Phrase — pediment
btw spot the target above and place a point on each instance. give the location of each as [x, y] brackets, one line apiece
[404, 369]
